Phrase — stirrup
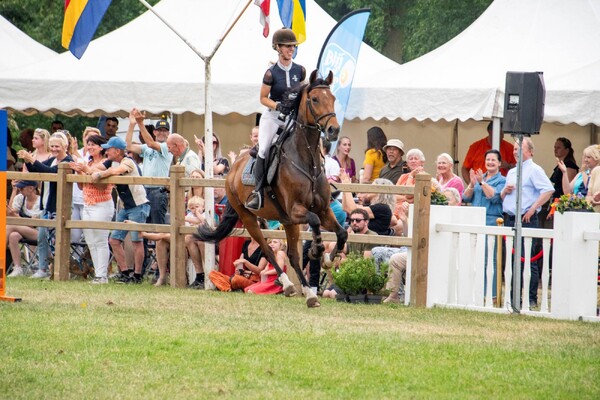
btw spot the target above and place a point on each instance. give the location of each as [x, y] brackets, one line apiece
[254, 201]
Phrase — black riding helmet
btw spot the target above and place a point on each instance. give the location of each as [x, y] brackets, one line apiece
[284, 36]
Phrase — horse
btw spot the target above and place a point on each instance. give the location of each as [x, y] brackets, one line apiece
[300, 192]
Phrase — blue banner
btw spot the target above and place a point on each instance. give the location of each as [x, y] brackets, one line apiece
[340, 55]
[3, 140]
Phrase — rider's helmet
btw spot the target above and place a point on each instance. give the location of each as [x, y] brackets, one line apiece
[284, 36]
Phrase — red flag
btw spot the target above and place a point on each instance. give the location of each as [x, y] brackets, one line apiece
[265, 6]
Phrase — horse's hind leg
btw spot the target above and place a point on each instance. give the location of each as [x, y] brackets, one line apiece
[317, 248]
[293, 232]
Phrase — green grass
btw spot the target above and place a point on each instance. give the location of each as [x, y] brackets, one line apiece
[72, 340]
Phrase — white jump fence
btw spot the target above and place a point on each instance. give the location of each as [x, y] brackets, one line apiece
[457, 262]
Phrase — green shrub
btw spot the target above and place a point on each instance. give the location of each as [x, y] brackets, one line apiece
[359, 275]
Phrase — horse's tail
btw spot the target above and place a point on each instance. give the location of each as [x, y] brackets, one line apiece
[228, 220]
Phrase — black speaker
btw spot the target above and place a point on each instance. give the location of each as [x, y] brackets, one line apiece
[524, 102]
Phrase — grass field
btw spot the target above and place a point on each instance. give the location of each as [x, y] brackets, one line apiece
[73, 340]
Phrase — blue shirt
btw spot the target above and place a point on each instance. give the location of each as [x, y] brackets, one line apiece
[535, 182]
[156, 163]
[493, 206]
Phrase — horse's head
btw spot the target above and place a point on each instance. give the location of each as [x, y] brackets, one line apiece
[319, 112]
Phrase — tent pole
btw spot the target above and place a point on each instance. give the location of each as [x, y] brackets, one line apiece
[190, 45]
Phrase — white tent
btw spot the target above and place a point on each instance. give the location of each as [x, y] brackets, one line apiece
[465, 78]
[18, 49]
[145, 64]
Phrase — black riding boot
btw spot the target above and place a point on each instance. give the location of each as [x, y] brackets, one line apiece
[256, 199]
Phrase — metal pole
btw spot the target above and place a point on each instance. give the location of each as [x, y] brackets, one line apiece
[516, 303]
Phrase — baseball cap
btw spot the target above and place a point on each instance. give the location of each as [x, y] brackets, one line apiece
[396, 143]
[22, 184]
[163, 124]
[115, 142]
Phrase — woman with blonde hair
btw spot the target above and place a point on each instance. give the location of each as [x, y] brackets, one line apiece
[342, 156]
[220, 163]
[58, 147]
[579, 184]
[41, 149]
[268, 274]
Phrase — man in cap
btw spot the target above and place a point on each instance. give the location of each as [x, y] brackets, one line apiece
[135, 207]
[157, 161]
[394, 149]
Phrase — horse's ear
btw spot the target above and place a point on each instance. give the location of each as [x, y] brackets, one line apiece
[313, 76]
[329, 77]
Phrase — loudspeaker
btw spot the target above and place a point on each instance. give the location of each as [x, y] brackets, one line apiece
[524, 102]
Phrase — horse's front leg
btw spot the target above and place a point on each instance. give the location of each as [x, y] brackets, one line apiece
[330, 223]
[293, 233]
[317, 247]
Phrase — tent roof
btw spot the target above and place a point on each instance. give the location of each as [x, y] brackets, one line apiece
[465, 78]
[18, 49]
[144, 64]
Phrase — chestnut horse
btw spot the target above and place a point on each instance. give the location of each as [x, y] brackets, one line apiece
[299, 186]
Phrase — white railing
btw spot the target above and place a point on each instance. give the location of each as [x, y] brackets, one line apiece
[457, 262]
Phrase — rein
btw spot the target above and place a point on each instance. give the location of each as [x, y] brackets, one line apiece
[317, 125]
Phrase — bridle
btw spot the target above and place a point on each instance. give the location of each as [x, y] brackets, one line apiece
[317, 125]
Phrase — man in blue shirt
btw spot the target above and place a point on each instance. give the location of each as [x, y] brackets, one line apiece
[536, 191]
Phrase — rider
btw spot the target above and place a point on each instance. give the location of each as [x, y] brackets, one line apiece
[277, 80]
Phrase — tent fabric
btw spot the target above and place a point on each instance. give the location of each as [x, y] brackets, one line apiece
[465, 78]
[145, 64]
[18, 49]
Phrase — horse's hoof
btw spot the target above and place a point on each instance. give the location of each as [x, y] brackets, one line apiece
[313, 302]
[289, 291]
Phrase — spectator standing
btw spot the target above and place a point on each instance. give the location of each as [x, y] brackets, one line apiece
[58, 148]
[332, 168]
[135, 207]
[537, 190]
[41, 147]
[157, 161]
[56, 125]
[111, 125]
[445, 176]
[475, 155]
[220, 163]
[26, 139]
[98, 205]
[579, 184]
[563, 151]
[375, 157]
[395, 166]
[342, 156]
[183, 155]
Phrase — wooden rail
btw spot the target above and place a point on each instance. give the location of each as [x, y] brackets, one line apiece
[177, 185]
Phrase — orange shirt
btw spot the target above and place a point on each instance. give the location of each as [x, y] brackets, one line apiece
[475, 156]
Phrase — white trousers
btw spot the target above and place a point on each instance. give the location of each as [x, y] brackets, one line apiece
[267, 129]
[97, 239]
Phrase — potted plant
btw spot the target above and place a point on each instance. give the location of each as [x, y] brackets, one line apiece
[358, 276]
[376, 281]
[570, 202]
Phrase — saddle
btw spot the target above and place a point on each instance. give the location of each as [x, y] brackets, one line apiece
[273, 158]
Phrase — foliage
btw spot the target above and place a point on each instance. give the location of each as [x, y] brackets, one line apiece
[431, 23]
[405, 30]
[43, 19]
[438, 198]
[570, 202]
[359, 275]
[73, 340]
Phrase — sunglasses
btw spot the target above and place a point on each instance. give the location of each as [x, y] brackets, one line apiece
[356, 220]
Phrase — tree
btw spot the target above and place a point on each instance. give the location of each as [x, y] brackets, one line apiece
[405, 30]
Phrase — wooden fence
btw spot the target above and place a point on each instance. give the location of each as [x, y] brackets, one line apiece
[177, 184]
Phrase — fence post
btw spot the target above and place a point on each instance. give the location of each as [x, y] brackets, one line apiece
[177, 254]
[64, 200]
[420, 241]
